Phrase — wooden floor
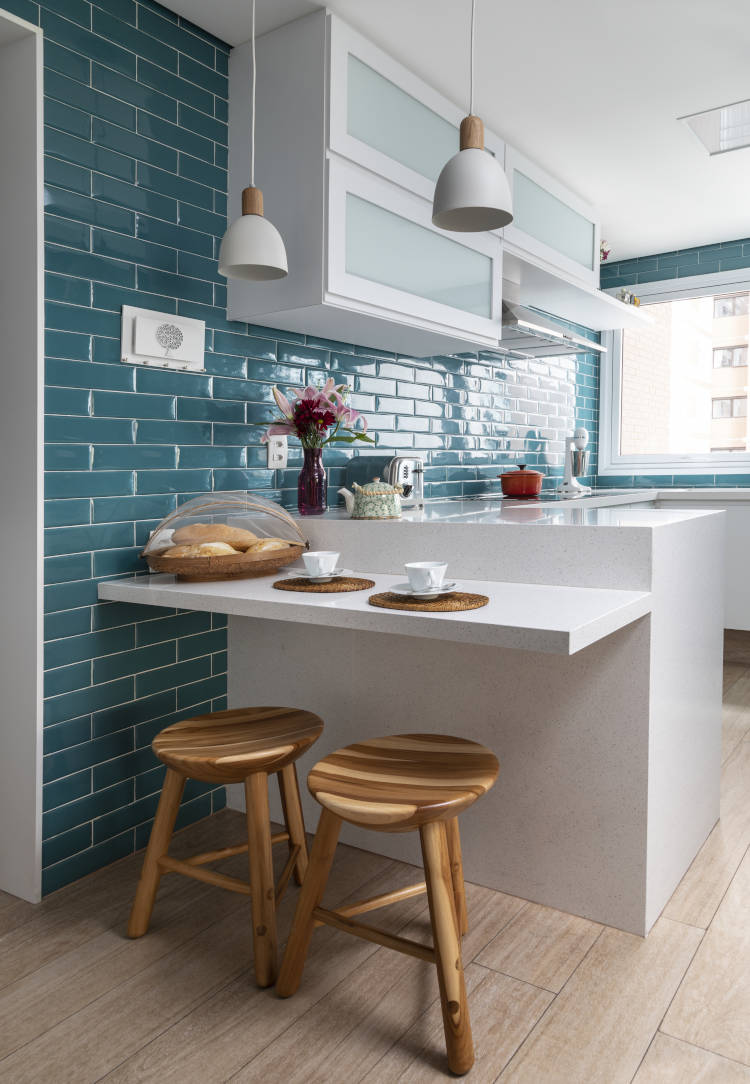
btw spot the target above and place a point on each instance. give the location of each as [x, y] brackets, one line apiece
[553, 998]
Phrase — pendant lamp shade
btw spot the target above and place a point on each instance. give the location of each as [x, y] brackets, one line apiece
[252, 248]
[472, 193]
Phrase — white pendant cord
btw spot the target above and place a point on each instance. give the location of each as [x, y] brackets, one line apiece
[471, 76]
[252, 109]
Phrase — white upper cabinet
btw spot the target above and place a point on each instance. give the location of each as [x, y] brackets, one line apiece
[386, 119]
[550, 224]
[385, 253]
[349, 144]
[348, 147]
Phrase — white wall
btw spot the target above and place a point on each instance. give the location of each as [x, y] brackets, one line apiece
[21, 481]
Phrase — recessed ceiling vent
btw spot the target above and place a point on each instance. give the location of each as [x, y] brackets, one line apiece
[724, 129]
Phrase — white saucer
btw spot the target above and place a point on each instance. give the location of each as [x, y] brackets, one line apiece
[446, 588]
[303, 574]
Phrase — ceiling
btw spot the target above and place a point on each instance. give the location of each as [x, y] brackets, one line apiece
[589, 89]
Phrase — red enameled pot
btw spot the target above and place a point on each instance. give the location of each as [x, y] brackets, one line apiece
[521, 484]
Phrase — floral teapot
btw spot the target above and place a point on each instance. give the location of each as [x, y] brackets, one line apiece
[374, 500]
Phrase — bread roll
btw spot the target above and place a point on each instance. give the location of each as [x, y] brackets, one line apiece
[268, 544]
[194, 533]
[202, 549]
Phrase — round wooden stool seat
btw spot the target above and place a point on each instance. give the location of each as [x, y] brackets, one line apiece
[401, 782]
[227, 746]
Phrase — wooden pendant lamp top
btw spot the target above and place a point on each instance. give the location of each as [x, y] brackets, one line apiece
[471, 133]
[252, 201]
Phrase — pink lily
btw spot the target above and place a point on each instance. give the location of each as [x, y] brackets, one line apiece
[282, 402]
[278, 429]
[347, 415]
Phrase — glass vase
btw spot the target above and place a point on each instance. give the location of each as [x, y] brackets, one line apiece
[312, 486]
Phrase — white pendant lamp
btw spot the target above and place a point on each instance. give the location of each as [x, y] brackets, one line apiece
[252, 247]
[472, 192]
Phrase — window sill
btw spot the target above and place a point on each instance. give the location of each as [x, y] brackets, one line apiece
[676, 469]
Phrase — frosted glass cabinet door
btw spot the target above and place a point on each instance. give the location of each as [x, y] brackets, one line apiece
[384, 251]
[385, 118]
[550, 222]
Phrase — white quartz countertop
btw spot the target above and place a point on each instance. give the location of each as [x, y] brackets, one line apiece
[532, 617]
[489, 511]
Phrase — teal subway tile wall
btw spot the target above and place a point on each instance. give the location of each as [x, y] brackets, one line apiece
[135, 200]
[682, 263]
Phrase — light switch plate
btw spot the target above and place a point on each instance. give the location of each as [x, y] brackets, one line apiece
[162, 340]
[277, 453]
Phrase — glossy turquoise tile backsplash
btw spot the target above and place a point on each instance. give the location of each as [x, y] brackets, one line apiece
[135, 182]
[705, 260]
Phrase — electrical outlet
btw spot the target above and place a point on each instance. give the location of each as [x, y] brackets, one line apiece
[277, 453]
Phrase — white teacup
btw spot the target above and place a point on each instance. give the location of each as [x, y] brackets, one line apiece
[321, 562]
[425, 575]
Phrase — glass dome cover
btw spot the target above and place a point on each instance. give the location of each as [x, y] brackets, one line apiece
[258, 536]
[245, 510]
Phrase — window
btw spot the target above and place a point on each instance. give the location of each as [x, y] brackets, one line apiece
[674, 393]
[736, 305]
[735, 407]
[727, 357]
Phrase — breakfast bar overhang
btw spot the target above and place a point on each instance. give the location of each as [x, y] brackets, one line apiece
[594, 674]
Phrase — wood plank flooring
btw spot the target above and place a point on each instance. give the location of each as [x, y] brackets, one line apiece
[554, 999]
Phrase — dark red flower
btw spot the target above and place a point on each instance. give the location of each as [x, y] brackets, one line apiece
[308, 414]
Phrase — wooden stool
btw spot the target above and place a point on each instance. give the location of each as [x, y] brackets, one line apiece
[243, 745]
[398, 784]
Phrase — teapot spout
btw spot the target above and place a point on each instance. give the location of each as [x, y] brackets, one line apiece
[349, 499]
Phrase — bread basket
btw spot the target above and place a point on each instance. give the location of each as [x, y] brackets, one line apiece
[212, 514]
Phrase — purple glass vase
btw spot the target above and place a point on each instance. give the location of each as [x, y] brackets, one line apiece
[312, 486]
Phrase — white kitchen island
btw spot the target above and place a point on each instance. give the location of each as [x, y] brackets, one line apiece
[594, 673]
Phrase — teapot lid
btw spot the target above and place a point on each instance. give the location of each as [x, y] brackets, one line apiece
[521, 470]
[378, 488]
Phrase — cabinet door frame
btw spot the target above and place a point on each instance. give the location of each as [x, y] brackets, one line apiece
[523, 242]
[344, 287]
[342, 41]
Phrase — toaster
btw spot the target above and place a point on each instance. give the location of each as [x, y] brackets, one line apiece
[407, 472]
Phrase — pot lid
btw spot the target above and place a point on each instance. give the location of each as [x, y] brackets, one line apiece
[378, 489]
[521, 470]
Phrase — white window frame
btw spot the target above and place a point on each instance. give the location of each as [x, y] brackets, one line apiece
[611, 462]
[731, 349]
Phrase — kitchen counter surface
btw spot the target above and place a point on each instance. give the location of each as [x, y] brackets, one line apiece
[533, 617]
[608, 507]
[724, 494]
[622, 512]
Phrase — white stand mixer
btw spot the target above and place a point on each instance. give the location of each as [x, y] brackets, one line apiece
[576, 462]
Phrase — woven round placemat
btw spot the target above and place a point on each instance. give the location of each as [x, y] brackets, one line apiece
[338, 583]
[456, 600]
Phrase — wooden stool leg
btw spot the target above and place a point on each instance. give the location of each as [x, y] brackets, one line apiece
[262, 886]
[293, 819]
[313, 886]
[158, 845]
[450, 970]
[457, 874]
